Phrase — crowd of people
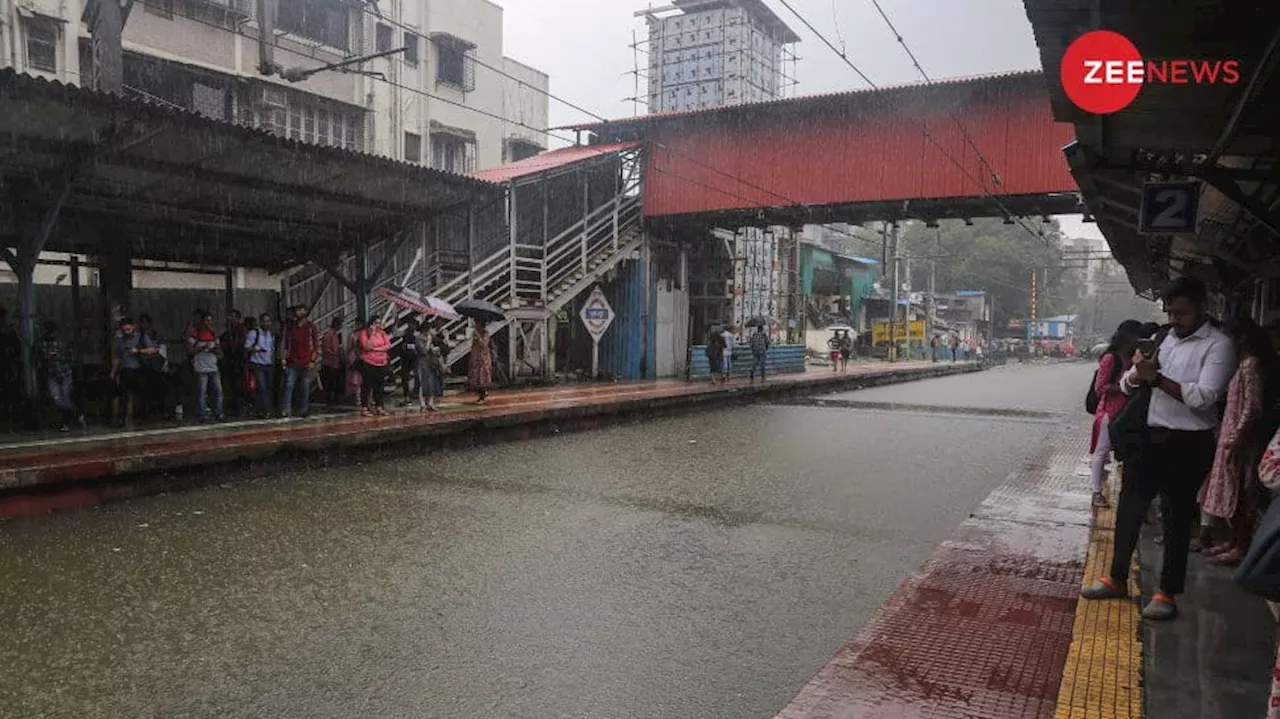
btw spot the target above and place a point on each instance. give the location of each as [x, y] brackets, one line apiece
[246, 370]
[1192, 412]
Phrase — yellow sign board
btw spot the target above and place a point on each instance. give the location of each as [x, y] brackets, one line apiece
[880, 331]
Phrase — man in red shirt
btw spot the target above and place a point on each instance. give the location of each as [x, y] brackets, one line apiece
[301, 351]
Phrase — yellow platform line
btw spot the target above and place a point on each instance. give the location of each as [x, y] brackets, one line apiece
[1102, 675]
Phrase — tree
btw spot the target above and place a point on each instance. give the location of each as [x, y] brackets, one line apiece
[990, 255]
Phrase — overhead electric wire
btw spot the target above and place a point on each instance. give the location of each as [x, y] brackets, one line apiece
[995, 176]
[923, 129]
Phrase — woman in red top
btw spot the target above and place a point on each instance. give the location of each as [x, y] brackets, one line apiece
[1113, 363]
[374, 347]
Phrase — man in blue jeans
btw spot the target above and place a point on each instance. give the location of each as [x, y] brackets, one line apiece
[260, 346]
[204, 348]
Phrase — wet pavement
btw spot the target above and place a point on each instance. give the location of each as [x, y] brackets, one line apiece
[698, 566]
[1215, 661]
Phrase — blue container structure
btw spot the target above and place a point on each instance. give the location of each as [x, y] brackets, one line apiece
[624, 351]
[782, 359]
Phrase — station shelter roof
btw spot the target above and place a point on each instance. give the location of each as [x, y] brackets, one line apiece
[1227, 132]
[177, 186]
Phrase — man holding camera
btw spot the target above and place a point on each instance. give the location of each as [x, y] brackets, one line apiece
[1187, 375]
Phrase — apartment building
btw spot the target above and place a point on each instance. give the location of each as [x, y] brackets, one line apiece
[449, 98]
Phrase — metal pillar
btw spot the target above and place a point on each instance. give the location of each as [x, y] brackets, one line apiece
[586, 213]
[362, 283]
[511, 243]
[617, 202]
[23, 264]
[646, 337]
[229, 286]
[471, 252]
[76, 315]
[931, 312]
[893, 311]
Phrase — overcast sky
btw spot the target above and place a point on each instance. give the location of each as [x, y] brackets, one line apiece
[584, 46]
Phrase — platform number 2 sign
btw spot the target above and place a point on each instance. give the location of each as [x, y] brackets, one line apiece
[1169, 207]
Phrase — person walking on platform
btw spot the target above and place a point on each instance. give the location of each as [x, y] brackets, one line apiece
[759, 353]
[1187, 376]
[846, 350]
[715, 354]
[730, 341]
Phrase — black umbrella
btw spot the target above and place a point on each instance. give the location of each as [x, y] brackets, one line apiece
[480, 310]
[760, 321]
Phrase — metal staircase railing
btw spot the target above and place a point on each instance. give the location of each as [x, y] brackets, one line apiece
[528, 279]
[571, 262]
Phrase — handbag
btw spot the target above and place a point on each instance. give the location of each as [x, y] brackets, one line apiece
[1091, 398]
[1129, 429]
[1259, 572]
[250, 380]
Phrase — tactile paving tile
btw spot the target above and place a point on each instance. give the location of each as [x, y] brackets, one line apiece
[1102, 676]
[982, 629]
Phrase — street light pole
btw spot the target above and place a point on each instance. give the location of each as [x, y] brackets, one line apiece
[893, 311]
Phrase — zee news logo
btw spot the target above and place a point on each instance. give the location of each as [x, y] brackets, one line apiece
[1102, 72]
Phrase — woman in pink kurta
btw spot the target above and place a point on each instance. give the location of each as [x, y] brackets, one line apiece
[1225, 495]
[1111, 400]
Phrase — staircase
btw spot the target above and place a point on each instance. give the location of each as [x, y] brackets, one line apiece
[529, 280]
[532, 282]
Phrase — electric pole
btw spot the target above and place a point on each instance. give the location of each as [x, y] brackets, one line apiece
[931, 312]
[893, 312]
[1032, 321]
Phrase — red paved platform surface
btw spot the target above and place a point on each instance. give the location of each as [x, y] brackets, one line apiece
[982, 630]
[68, 460]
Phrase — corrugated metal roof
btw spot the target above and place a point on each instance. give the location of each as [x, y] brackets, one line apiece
[827, 99]
[548, 161]
[188, 188]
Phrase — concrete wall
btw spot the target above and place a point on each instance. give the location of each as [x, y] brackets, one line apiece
[525, 101]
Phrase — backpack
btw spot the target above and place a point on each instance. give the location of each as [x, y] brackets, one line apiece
[1091, 398]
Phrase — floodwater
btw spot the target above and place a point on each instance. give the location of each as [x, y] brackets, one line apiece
[688, 568]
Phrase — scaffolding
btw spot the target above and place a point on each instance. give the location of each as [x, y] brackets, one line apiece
[703, 54]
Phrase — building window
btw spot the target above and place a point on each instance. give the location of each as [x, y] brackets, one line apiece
[324, 21]
[383, 40]
[456, 66]
[518, 148]
[412, 147]
[305, 117]
[410, 48]
[452, 153]
[42, 43]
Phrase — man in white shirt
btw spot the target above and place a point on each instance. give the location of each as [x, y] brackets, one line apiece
[1188, 375]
